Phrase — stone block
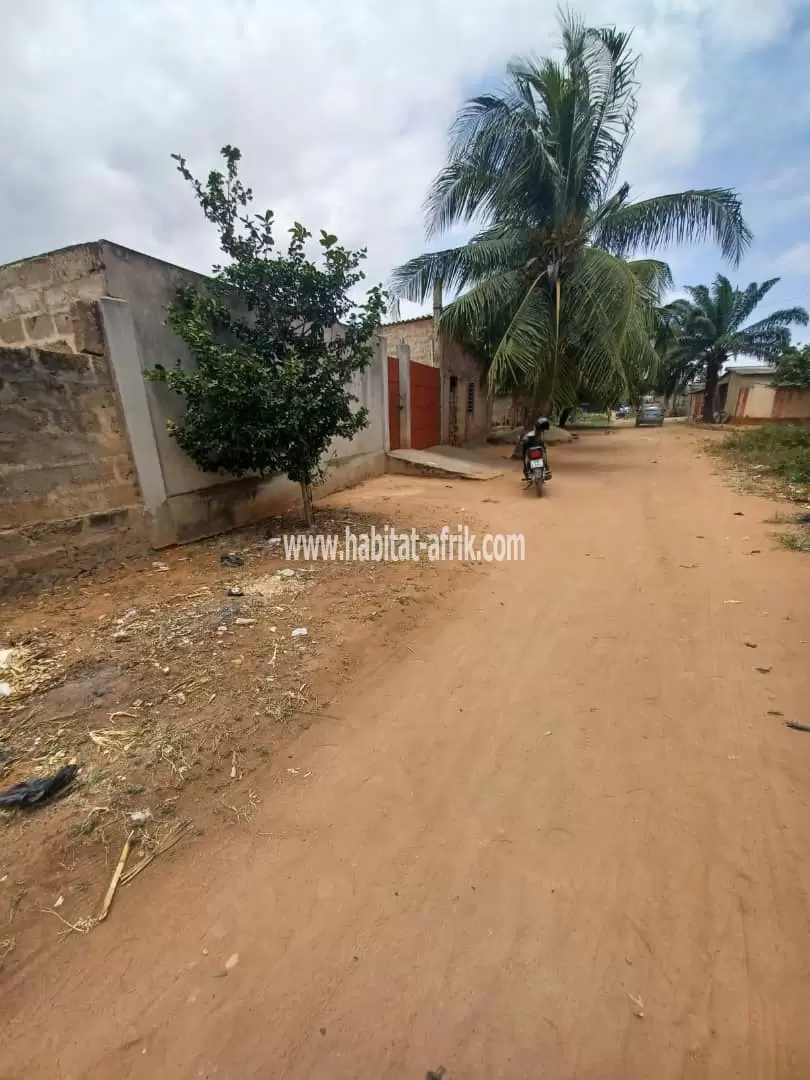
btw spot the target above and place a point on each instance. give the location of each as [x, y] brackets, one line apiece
[53, 532]
[63, 323]
[75, 263]
[108, 519]
[87, 329]
[34, 273]
[36, 483]
[11, 332]
[39, 327]
[18, 365]
[60, 345]
[66, 366]
[17, 301]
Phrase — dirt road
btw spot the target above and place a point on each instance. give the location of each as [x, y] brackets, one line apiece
[565, 801]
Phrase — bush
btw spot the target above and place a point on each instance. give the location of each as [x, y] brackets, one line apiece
[782, 450]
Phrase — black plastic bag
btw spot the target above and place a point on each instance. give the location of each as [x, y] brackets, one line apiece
[40, 789]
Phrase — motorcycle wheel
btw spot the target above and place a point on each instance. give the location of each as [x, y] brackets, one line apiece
[538, 484]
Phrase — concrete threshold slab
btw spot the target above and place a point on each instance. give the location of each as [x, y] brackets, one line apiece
[439, 461]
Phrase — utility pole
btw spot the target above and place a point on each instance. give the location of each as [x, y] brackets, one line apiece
[438, 361]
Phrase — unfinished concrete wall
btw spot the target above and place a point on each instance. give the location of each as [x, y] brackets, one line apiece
[47, 302]
[186, 502]
[88, 468]
[68, 496]
[416, 334]
[469, 407]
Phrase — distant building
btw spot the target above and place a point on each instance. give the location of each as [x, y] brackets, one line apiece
[466, 411]
[746, 395]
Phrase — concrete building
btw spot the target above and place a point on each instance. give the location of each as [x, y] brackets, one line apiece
[746, 395]
[465, 408]
[88, 470]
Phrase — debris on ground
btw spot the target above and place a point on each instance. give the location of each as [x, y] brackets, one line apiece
[140, 817]
[639, 1006]
[286, 573]
[750, 644]
[232, 559]
[169, 840]
[796, 725]
[115, 880]
[234, 590]
[775, 712]
[245, 622]
[764, 670]
[732, 601]
[5, 689]
[300, 631]
[161, 566]
[39, 789]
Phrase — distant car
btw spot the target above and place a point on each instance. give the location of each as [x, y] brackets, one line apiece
[650, 414]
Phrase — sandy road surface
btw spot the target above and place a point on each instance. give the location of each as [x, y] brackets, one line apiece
[562, 791]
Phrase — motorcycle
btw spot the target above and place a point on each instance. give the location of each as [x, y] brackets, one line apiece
[535, 456]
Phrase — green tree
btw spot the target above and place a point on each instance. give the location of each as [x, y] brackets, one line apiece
[276, 340]
[713, 327]
[547, 275]
[793, 369]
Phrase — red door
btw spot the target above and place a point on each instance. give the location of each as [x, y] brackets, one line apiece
[425, 406]
[393, 402]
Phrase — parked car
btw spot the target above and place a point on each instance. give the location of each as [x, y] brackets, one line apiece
[650, 414]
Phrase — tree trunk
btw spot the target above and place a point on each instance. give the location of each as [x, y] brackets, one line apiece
[564, 415]
[710, 389]
[306, 497]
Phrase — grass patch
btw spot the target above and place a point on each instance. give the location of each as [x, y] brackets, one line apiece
[796, 541]
[590, 419]
[779, 451]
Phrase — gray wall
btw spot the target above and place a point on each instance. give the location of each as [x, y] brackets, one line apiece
[87, 467]
[185, 501]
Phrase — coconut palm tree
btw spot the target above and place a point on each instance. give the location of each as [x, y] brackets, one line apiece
[547, 276]
[712, 328]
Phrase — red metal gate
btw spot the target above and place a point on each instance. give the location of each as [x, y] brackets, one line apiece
[425, 406]
[393, 403]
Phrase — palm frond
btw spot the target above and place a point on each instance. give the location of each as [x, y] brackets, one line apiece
[654, 275]
[493, 252]
[749, 298]
[783, 318]
[686, 217]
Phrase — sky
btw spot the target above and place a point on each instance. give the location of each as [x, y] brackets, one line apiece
[341, 109]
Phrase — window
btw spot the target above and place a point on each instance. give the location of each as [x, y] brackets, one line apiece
[470, 398]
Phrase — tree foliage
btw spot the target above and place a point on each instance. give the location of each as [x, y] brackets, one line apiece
[712, 326]
[547, 283]
[793, 369]
[276, 339]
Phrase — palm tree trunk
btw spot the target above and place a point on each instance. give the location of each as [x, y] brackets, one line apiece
[564, 415]
[710, 390]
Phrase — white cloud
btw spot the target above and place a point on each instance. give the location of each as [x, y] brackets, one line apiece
[795, 260]
[340, 109]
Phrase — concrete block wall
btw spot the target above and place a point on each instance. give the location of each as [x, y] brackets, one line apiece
[88, 471]
[48, 302]
[68, 494]
[417, 334]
